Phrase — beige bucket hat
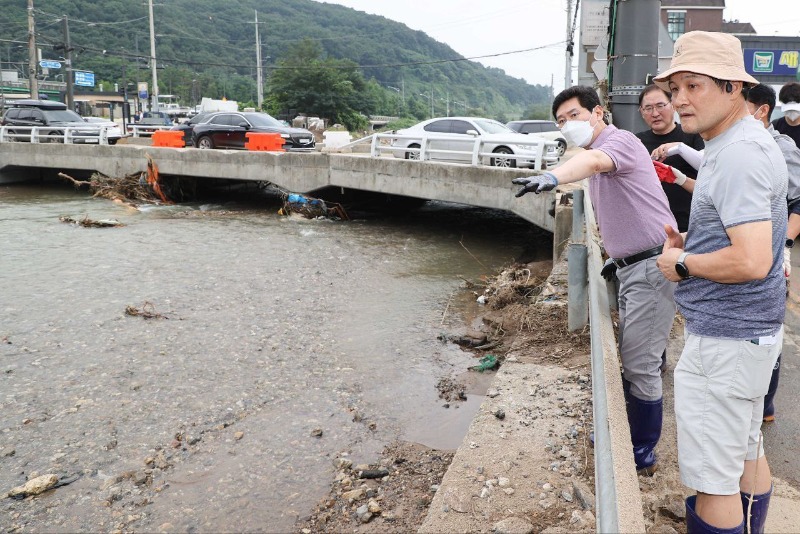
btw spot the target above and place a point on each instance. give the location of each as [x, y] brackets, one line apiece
[714, 54]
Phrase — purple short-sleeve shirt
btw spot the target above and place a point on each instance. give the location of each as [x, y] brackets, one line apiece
[629, 202]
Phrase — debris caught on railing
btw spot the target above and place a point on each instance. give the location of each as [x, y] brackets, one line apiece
[147, 311]
[311, 208]
[136, 187]
[86, 222]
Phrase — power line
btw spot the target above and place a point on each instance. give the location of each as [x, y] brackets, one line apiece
[335, 67]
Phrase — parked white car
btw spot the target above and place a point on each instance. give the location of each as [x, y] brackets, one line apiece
[113, 129]
[458, 139]
[547, 129]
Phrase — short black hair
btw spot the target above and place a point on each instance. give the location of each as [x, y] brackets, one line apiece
[790, 92]
[586, 95]
[649, 89]
[762, 94]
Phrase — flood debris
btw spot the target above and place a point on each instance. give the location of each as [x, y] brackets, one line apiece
[487, 362]
[34, 486]
[86, 222]
[147, 311]
[137, 187]
[311, 208]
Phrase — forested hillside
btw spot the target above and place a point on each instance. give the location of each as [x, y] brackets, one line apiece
[207, 48]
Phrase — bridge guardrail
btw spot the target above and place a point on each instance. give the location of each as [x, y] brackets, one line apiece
[539, 146]
[138, 129]
[85, 135]
[618, 500]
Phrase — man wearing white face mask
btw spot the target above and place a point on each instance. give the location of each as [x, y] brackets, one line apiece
[632, 210]
[789, 124]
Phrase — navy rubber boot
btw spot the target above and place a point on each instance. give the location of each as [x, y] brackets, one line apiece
[769, 398]
[758, 513]
[695, 525]
[644, 418]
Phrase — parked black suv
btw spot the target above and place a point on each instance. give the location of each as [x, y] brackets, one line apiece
[52, 117]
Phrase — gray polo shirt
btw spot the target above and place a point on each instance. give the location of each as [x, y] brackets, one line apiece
[742, 179]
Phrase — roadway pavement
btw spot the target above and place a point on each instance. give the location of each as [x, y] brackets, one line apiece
[782, 437]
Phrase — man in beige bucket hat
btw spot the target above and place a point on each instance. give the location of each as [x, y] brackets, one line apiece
[731, 289]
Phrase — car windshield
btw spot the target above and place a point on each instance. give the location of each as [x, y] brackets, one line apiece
[493, 127]
[62, 115]
[264, 120]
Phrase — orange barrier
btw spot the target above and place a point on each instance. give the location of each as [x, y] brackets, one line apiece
[168, 138]
[272, 142]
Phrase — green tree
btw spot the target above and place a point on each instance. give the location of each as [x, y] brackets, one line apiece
[330, 88]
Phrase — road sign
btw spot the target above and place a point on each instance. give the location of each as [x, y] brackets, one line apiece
[142, 90]
[84, 79]
[49, 64]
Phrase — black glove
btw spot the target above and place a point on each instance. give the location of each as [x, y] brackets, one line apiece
[609, 270]
[544, 182]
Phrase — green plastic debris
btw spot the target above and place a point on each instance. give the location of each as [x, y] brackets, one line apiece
[487, 362]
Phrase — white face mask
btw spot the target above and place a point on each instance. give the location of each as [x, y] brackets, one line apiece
[792, 115]
[578, 132]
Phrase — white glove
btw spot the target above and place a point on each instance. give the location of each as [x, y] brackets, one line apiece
[787, 262]
[680, 178]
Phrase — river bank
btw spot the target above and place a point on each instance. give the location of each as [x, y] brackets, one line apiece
[526, 461]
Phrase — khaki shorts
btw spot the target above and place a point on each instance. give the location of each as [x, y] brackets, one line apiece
[719, 399]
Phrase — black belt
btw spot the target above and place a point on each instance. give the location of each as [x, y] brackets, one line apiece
[639, 256]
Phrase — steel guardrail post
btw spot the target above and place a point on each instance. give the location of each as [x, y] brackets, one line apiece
[578, 277]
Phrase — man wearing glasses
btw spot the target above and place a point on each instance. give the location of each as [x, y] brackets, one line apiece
[632, 212]
[659, 115]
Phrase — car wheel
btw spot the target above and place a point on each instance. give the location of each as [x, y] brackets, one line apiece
[112, 141]
[503, 162]
[562, 147]
[205, 142]
[413, 155]
[54, 139]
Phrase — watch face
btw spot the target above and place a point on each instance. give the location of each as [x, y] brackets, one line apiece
[681, 269]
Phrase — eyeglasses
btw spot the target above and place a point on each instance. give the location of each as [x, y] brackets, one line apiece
[658, 107]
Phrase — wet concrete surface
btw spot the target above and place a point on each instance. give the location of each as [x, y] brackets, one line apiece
[287, 343]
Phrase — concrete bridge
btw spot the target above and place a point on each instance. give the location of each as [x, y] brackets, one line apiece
[482, 186]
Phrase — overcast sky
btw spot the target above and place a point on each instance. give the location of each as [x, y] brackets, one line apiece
[479, 28]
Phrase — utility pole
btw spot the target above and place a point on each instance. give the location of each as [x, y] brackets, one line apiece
[154, 90]
[126, 114]
[432, 101]
[634, 59]
[259, 74]
[32, 85]
[68, 62]
[568, 53]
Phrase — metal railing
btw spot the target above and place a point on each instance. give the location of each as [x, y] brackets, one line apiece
[55, 134]
[618, 502]
[139, 129]
[540, 152]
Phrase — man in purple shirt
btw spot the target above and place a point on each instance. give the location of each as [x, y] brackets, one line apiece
[631, 210]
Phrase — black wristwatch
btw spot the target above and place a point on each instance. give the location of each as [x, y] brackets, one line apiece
[680, 266]
[789, 243]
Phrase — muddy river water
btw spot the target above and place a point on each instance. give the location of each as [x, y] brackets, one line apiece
[275, 329]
